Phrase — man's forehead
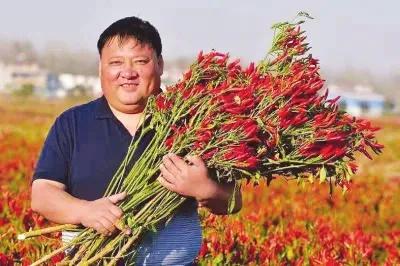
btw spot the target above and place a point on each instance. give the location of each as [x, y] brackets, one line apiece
[122, 41]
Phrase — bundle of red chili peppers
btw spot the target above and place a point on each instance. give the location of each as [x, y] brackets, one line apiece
[267, 120]
[248, 124]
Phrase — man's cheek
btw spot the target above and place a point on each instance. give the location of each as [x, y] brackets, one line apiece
[111, 75]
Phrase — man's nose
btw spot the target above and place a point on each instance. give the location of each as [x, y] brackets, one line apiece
[129, 71]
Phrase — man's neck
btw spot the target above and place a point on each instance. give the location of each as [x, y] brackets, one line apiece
[131, 121]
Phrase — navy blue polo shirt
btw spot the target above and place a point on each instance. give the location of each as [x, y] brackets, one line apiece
[84, 148]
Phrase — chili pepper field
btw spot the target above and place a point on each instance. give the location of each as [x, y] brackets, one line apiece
[280, 224]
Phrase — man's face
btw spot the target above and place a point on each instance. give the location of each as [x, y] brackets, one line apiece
[129, 73]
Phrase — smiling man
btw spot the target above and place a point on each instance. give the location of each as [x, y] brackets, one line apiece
[87, 143]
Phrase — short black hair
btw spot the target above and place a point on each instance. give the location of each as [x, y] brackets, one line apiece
[131, 27]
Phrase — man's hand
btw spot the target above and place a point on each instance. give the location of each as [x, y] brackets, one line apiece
[102, 214]
[187, 179]
[192, 180]
[50, 199]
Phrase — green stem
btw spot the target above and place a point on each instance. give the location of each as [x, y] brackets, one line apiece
[124, 248]
[107, 249]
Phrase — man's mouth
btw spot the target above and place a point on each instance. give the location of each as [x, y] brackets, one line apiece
[129, 85]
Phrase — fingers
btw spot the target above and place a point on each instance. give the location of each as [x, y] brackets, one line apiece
[195, 160]
[100, 228]
[103, 215]
[167, 179]
[104, 226]
[110, 214]
[127, 230]
[113, 222]
[165, 183]
[115, 211]
[167, 175]
[169, 164]
[117, 197]
[177, 161]
[120, 225]
[107, 225]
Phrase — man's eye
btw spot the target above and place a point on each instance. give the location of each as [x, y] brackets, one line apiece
[116, 62]
[142, 61]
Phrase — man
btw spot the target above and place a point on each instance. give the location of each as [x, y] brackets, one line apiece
[87, 143]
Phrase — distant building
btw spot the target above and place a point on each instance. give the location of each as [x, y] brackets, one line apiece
[54, 87]
[5, 76]
[15, 76]
[358, 100]
[75, 84]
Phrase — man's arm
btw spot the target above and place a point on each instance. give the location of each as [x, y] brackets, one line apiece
[50, 199]
[218, 199]
[192, 180]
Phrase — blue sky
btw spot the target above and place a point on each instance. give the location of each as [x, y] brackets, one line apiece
[350, 34]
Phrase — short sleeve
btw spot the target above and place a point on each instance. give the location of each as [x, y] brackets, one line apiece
[55, 157]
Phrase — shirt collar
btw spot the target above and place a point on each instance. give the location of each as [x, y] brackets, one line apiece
[103, 109]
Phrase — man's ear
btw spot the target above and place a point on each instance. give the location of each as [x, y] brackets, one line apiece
[99, 68]
[161, 64]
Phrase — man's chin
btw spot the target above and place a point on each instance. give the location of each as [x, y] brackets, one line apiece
[128, 103]
[129, 100]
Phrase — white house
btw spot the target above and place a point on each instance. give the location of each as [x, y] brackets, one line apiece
[14, 76]
[358, 100]
[71, 81]
[5, 76]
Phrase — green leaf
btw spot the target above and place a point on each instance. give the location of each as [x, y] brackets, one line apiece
[303, 184]
[259, 121]
[311, 178]
[344, 190]
[218, 259]
[257, 176]
[322, 175]
[349, 173]
[152, 228]
[232, 199]
[289, 253]
[130, 222]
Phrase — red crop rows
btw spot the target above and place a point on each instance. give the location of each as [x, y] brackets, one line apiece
[280, 224]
